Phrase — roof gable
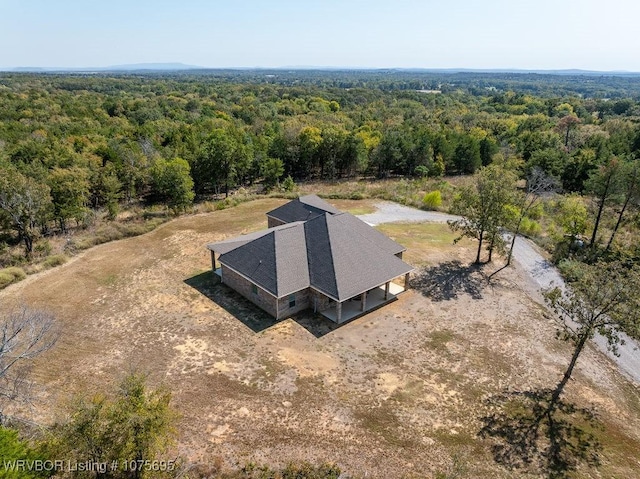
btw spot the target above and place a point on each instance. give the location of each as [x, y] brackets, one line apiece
[225, 246]
[302, 209]
[319, 203]
[345, 262]
[276, 261]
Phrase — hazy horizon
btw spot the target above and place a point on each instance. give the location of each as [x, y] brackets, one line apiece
[493, 35]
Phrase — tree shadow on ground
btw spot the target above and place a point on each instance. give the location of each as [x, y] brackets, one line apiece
[446, 281]
[248, 313]
[530, 434]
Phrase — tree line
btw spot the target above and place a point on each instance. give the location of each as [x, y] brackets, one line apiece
[72, 146]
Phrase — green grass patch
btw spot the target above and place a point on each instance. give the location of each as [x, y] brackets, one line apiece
[438, 340]
[384, 422]
[360, 210]
[109, 280]
[422, 240]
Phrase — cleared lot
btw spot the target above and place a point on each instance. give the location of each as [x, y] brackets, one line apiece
[401, 391]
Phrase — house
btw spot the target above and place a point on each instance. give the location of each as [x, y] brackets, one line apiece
[312, 256]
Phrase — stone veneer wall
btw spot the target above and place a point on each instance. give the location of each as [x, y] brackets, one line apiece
[319, 300]
[263, 299]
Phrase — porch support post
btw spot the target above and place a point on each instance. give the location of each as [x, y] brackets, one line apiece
[213, 260]
[338, 311]
[386, 290]
[406, 281]
[363, 304]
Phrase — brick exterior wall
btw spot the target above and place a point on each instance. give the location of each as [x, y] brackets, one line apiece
[271, 222]
[302, 302]
[263, 299]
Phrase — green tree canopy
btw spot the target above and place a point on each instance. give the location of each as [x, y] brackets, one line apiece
[171, 181]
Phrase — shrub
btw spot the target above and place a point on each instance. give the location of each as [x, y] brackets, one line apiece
[11, 275]
[5, 279]
[43, 248]
[421, 171]
[17, 273]
[536, 212]
[571, 270]
[288, 184]
[357, 195]
[529, 227]
[55, 260]
[432, 200]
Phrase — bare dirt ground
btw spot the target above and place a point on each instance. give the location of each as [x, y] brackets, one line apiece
[400, 392]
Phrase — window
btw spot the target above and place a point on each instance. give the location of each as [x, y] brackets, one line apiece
[254, 289]
[292, 300]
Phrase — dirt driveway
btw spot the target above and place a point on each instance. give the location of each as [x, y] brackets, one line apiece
[397, 393]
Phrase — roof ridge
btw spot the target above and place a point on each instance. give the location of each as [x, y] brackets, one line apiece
[326, 217]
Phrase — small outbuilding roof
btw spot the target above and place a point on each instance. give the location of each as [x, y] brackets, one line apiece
[302, 208]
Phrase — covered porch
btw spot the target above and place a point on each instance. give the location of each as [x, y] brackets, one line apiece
[364, 303]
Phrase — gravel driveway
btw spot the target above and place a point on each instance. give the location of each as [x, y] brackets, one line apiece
[543, 273]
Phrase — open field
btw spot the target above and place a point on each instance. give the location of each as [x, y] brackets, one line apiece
[401, 392]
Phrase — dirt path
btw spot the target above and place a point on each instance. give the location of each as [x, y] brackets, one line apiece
[541, 271]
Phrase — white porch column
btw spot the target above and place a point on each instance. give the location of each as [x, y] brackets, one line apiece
[386, 290]
[363, 304]
[338, 311]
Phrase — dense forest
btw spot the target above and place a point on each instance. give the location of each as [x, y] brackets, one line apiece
[73, 145]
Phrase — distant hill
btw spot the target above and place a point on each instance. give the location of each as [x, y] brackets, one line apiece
[176, 67]
[134, 67]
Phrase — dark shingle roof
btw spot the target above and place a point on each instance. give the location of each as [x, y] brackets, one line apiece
[337, 254]
[381, 240]
[225, 246]
[302, 209]
[317, 202]
[276, 261]
[343, 262]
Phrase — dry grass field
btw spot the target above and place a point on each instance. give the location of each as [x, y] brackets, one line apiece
[401, 392]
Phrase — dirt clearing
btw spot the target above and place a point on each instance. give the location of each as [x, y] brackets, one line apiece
[400, 392]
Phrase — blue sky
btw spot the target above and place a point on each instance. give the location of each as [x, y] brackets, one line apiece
[541, 34]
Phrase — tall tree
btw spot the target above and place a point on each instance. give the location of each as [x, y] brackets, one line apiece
[272, 170]
[629, 191]
[482, 206]
[467, 157]
[26, 203]
[538, 183]
[604, 300]
[171, 181]
[70, 194]
[566, 124]
[603, 184]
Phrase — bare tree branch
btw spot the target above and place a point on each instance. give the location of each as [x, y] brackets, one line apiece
[25, 334]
